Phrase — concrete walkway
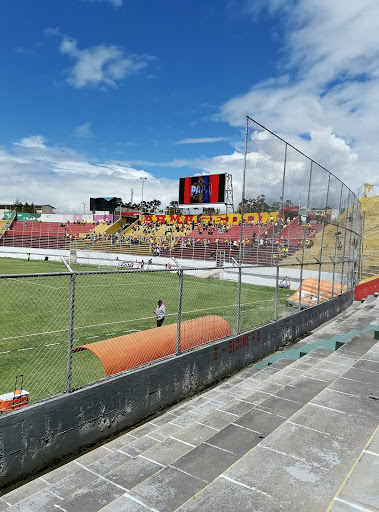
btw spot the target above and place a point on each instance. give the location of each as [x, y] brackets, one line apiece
[299, 435]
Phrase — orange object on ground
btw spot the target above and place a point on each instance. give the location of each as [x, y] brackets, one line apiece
[310, 291]
[13, 400]
[125, 352]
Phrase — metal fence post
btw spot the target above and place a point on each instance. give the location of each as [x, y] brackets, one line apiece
[238, 326]
[362, 226]
[277, 292]
[305, 235]
[344, 241]
[336, 240]
[70, 334]
[324, 221]
[179, 312]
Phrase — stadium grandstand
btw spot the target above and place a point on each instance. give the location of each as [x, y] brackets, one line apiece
[265, 238]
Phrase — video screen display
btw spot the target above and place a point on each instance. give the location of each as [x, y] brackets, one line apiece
[202, 190]
[104, 204]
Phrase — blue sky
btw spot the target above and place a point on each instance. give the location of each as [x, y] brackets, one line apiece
[98, 93]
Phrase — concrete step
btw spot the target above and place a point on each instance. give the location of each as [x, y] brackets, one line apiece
[304, 461]
[158, 446]
[366, 312]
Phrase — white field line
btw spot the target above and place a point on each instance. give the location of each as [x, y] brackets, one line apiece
[131, 320]
[23, 280]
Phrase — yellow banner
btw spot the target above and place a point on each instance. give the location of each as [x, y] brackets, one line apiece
[231, 218]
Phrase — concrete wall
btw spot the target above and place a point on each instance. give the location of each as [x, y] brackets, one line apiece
[38, 435]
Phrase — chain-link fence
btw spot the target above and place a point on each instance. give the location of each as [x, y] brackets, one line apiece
[317, 229]
[65, 330]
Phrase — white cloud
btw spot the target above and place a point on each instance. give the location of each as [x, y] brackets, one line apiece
[36, 141]
[84, 131]
[203, 140]
[115, 3]
[329, 86]
[64, 178]
[100, 66]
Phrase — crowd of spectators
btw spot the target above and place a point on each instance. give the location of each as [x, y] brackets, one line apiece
[161, 237]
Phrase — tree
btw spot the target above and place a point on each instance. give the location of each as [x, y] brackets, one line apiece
[211, 211]
[257, 205]
[173, 208]
[17, 205]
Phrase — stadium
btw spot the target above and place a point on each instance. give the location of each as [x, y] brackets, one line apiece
[274, 298]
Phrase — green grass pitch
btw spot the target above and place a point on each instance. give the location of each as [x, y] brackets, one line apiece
[35, 314]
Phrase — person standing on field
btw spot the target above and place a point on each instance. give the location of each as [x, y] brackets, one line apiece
[160, 313]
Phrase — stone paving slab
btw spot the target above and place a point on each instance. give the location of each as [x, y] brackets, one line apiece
[302, 390]
[111, 461]
[334, 422]
[218, 419]
[237, 407]
[260, 421]
[206, 462]
[362, 489]
[235, 439]
[69, 486]
[25, 491]
[3, 505]
[195, 434]
[280, 475]
[347, 404]
[92, 498]
[355, 388]
[167, 490]
[225, 494]
[361, 375]
[167, 451]
[281, 407]
[124, 503]
[134, 472]
[42, 501]
[139, 445]
[322, 374]
[268, 387]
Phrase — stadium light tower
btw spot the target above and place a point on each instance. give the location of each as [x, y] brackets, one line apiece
[84, 208]
[143, 182]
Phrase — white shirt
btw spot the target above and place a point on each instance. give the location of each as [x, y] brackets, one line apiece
[160, 312]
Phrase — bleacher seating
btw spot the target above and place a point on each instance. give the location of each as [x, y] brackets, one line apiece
[185, 241]
[44, 235]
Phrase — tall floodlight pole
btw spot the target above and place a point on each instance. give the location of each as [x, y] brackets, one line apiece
[84, 208]
[143, 182]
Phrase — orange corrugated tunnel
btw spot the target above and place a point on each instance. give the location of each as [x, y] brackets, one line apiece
[125, 352]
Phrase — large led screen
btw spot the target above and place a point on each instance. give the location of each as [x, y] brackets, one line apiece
[202, 190]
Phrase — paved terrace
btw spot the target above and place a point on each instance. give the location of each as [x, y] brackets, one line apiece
[298, 435]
